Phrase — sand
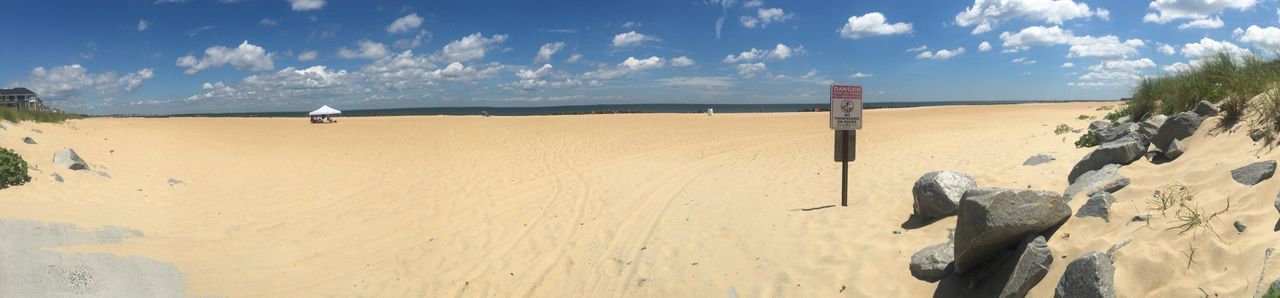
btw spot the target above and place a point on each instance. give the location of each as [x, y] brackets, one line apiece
[657, 205]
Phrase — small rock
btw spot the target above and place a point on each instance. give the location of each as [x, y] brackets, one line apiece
[1090, 275]
[933, 262]
[1174, 151]
[67, 158]
[1099, 205]
[56, 177]
[1277, 203]
[1254, 172]
[1122, 152]
[990, 220]
[1038, 159]
[173, 182]
[1257, 134]
[1240, 226]
[937, 193]
[28, 140]
[1206, 109]
[1106, 179]
[1141, 217]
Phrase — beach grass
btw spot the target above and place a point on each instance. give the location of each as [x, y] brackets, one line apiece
[19, 115]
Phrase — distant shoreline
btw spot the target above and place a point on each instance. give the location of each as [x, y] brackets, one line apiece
[607, 109]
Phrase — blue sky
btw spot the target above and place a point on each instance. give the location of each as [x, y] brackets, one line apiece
[183, 56]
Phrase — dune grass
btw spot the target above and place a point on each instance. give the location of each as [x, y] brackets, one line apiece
[19, 115]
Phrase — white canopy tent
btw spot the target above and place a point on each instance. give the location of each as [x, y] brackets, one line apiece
[323, 114]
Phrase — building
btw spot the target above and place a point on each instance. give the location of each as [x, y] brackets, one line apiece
[20, 98]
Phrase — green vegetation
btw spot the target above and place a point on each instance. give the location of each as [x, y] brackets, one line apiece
[1117, 113]
[19, 115]
[1172, 196]
[1230, 82]
[1061, 129]
[1103, 108]
[1086, 117]
[13, 169]
[1088, 139]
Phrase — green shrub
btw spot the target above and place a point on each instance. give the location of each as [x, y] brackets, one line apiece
[1061, 129]
[1117, 113]
[1085, 117]
[13, 169]
[1145, 98]
[1088, 139]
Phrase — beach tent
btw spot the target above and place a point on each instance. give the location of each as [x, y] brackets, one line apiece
[323, 114]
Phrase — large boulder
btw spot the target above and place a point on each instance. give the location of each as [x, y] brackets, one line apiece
[1254, 172]
[1099, 205]
[990, 220]
[1206, 109]
[1117, 131]
[1038, 159]
[1149, 127]
[1122, 152]
[933, 262]
[1090, 275]
[67, 158]
[937, 193]
[1106, 179]
[1030, 267]
[1178, 127]
[1099, 125]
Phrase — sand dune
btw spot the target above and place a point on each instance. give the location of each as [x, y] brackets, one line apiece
[663, 205]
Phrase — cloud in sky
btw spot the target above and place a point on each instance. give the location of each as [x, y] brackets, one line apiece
[244, 57]
[872, 24]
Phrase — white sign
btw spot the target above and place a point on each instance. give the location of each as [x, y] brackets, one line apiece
[846, 107]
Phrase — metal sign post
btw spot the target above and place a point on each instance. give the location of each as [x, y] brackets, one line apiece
[846, 119]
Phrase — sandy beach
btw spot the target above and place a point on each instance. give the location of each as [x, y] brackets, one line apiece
[644, 205]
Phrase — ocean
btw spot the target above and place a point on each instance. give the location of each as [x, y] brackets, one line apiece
[608, 109]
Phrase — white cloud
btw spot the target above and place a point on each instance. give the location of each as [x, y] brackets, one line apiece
[1081, 46]
[698, 82]
[872, 24]
[779, 52]
[1177, 67]
[984, 46]
[1166, 49]
[859, 75]
[1068, 65]
[918, 49]
[406, 43]
[626, 68]
[753, 3]
[1023, 60]
[765, 16]
[288, 84]
[1170, 10]
[547, 50]
[1214, 23]
[750, 70]
[1267, 39]
[471, 47]
[682, 61]
[308, 56]
[143, 24]
[405, 23]
[542, 78]
[631, 39]
[268, 22]
[244, 57]
[1208, 46]
[367, 50]
[574, 58]
[985, 15]
[1112, 73]
[72, 82]
[942, 54]
[1124, 65]
[305, 5]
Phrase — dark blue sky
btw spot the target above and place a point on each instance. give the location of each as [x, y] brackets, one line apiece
[172, 56]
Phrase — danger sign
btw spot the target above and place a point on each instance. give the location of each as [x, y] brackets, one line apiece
[846, 107]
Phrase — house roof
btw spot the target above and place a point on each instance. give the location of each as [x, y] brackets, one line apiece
[16, 91]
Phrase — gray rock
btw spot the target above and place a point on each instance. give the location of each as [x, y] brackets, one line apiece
[1038, 159]
[990, 220]
[1122, 152]
[1240, 226]
[1254, 172]
[173, 182]
[932, 263]
[1277, 203]
[1140, 217]
[1157, 120]
[56, 177]
[1117, 132]
[1031, 266]
[1099, 205]
[1206, 109]
[1149, 127]
[1257, 134]
[1106, 179]
[1178, 127]
[1090, 275]
[67, 158]
[937, 193]
[1174, 151]
[1099, 125]
[1124, 119]
[28, 140]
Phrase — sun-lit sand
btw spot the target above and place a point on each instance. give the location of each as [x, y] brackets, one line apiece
[659, 205]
